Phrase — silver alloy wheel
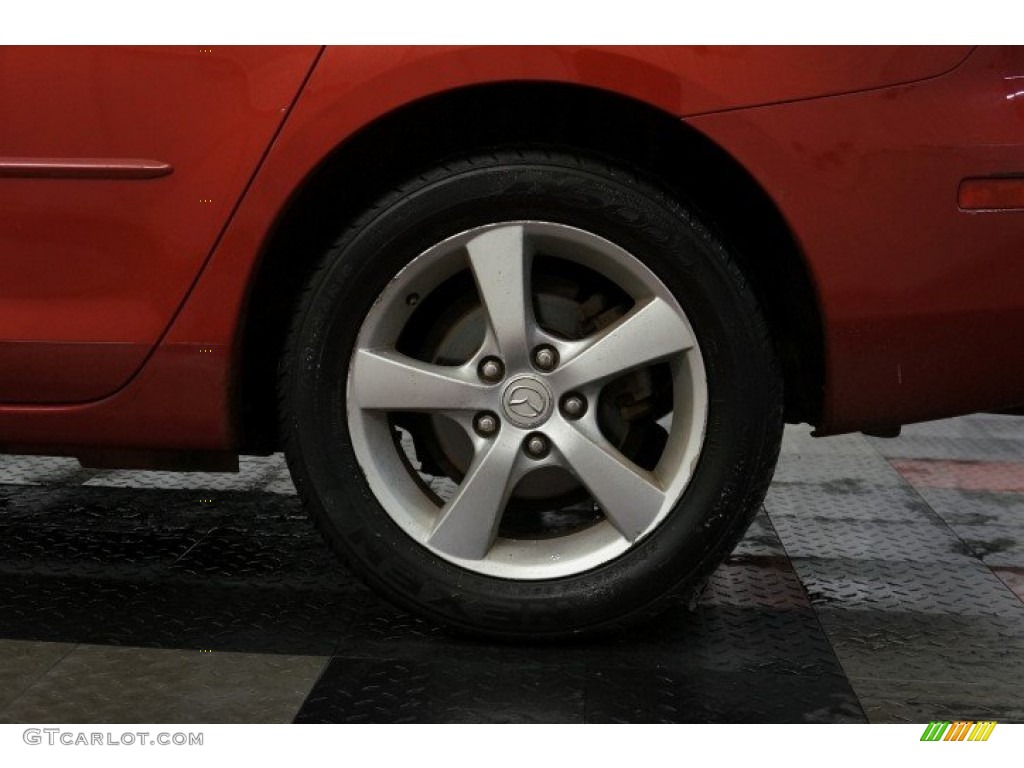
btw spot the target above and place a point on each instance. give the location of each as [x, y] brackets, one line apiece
[464, 529]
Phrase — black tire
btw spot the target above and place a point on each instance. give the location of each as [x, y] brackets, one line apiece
[744, 421]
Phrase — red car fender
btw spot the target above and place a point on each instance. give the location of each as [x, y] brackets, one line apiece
[184, 390]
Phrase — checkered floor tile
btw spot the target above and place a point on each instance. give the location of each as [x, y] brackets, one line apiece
[883, 581]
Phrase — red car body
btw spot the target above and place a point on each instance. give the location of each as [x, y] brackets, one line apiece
[146, 196]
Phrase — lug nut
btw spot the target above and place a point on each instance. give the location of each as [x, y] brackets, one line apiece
[485, 424]
[491, 369]
[536, 446]
[545, 358]
[573, 406]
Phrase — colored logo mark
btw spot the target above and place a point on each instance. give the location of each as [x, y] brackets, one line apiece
[961, 730]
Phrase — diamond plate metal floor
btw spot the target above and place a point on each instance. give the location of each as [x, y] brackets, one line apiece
[883, 581]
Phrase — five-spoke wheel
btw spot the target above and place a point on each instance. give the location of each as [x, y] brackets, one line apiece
[522, 397]
[527, 393]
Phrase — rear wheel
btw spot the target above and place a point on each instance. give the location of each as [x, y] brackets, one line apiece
[529, 394]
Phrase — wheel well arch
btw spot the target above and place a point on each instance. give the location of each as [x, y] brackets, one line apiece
[476, 118]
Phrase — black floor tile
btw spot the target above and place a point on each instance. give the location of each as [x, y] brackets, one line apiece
[880, 587]
[446, 690]
[164, 614]
[666, 695]
[884, 653]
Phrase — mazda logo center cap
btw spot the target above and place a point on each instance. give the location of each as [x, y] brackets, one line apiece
[527, 402]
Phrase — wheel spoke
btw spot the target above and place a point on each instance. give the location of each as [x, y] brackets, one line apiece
[629, 496]
[651, 332]
[500, 259]
[469, 521]
[388, 380]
